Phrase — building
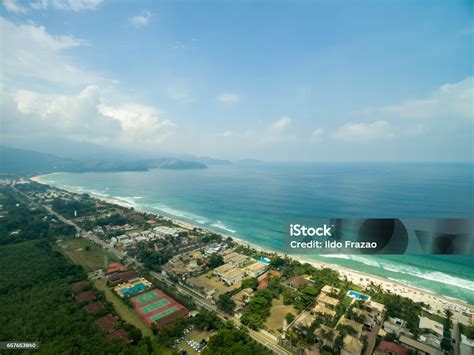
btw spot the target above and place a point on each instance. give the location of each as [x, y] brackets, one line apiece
[353, 324]
[256, 269]
[233, 276]
[352, 346]
[296, 282]
[107, 323]
[327, 301]
[238, 260]
[417, 346]
[330, 290]
[390, 348]
[431, 326]
[86, 296]
[466, 346]
[230, 255]
[116, 267]
[326, 336]
[221, 270]
[319, 308]
[364, 317]
[94, 307]
[396, 326]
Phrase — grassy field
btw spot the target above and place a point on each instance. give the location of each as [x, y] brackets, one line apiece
[122, 309]
[83, 252]
[211, 281]
[278, 313]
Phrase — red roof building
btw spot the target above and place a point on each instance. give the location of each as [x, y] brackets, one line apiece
[387, 347]
[79, 286]
[94, 307]
[107, 323]
[86, 296]
[116, 267]
[119, 334]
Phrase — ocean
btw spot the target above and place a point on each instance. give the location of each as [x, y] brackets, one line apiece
[252, 202]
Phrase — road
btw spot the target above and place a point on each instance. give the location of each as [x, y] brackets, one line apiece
[455, 335]
[260, 337]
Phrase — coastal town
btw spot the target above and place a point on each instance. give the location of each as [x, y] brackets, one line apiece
[151, 276]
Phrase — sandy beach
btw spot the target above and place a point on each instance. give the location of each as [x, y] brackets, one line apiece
[437, 303]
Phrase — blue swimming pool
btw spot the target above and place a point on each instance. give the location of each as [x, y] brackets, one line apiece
[132, 290]
[357, 295]
[263, 260]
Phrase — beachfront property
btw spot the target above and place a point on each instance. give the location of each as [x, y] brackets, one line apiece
[352, 346]
[326, 336]
[431, 332]
[327, 301]
[233, 276]
[295, 282]
[345, 322]
[396, 326]
[418, 347]
[220, 271]
[366, 318]
[466, 346]
[235, 258]
[256, 269]
[321, 309]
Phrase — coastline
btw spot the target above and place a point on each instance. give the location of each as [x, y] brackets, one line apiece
[438, 303]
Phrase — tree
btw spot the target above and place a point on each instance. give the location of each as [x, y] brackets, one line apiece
[289, 318]
[226, 303]
[215, 260]
[250, 283]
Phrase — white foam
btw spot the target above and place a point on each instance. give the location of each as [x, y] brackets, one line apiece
[181, 214]
[222, 226]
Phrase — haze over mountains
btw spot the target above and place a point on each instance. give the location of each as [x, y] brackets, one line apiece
[28, 162]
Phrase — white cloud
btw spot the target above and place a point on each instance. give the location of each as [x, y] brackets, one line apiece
[85, 116]
[14, 6]
[317, 135]
[225, 134]
[364, 132]
[277, 132]
[30, 51]
[449, 101]
[141, 20]
[39, 5]
[228, 98]
[76, 5]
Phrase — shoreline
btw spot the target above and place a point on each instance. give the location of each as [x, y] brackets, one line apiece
[437, 302]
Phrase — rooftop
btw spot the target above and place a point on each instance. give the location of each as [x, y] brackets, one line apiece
[429, 324]
[352, 345]
[223, 268]
[257, 266]
[86, 296]
[387, 347]
[324, 310]
[327, 300]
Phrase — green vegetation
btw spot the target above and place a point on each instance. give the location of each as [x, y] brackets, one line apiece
[83, 207]
[226, 303]
[36, 302]
[215, 260]
[83, 252]
[22, 221]
[230, 340]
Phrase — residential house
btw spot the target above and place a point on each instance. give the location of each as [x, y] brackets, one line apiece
[256, 269]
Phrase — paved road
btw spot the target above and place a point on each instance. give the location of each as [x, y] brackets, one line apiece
[258, 336]
[456, 336]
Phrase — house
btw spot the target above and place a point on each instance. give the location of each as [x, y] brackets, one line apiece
[431, 326]
[256, 269]
[296, 282]
[327, 301]
[79, 286]
[364, 317]
[376, 308]
[242, 297]
[86, 296]
[221, 270]
[94, 307]
[326, 336]
[352, 346]
[396, 326]
[417, 346]
[330, 290]
[466, 346]
[345, 322]
[319, 308]
[238, 260]
[233, 276]
[116, 267]
[122, 277]
[107, 323]
[304, 320]
[119, 334]
[390, 348]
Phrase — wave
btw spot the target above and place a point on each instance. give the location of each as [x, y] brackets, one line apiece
[436, 276]
[222, 226]
[336, 256]
[126, 200]
[180, 214]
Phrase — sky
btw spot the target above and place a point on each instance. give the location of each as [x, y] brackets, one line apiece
[271, 80]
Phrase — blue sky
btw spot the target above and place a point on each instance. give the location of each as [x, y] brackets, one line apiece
[275, 80]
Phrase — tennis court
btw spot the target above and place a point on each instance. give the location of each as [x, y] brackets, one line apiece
[154, 306]
[146, 297]
[163, 314]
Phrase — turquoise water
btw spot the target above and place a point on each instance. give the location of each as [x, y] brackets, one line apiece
[357, 295]
[133, 290]
[253, 202]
